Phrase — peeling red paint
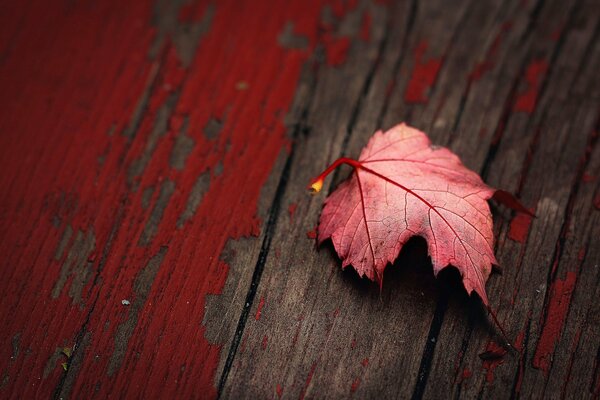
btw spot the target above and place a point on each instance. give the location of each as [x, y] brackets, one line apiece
[556, 314]
[365, 28]
[291, 210]
[243, 344]
[581, 254]
[336, 49]
[355, 384]
[534, 76]
[189, 13]
[341, 7]
[279, 390]
[466, 374]
[488, 63]
[458, 360]
[587, 178]
[365, 362]
[261, 304]
[480, 69]
[557, 33]
[312, 234]
[298, 328]
[597, 201]
[519, 227]
[308, 379]
[519, 340]
[492, 358]
[264, 342]
[423, 77]
[96, 78]
[92, 257]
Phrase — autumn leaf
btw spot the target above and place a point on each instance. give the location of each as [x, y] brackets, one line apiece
[403, 186]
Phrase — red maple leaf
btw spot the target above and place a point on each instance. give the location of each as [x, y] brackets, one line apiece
[403, 186]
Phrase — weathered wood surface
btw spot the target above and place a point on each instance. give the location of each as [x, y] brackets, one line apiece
[159, 153]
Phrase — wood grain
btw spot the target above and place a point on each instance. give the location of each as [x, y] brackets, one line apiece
[158, 241]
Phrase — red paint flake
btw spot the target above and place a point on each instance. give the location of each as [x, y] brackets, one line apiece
[458, 361]
[424, 75]
[92, 257]
[336, 49]
[353, 344]
[597, 201]
[291, 210]
[355, 384]
[190, 12]
[312, 234]
[581, 254]
[519, 340]
[486, 65]
[556, 33]
[480, 69]
[556, 314]
[186, 13]
[365, 28]
[264, 342]
[261, 303]
[176, 122]
[389, 88]
[279, 390]
[298, 328]
[492, 358]
[341, 7]
[365, 362]
[466, 374]
[519, 227]
[308, 379]
[243, 345]
[534, 75]
[587, 178]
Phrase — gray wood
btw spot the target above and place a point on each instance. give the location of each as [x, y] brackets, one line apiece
[323, 332]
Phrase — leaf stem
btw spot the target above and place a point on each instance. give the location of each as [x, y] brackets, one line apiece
[317, 183]
[504, 335]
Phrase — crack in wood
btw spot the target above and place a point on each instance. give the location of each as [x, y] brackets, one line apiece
[258, 270]
[430, 344]
[269, 230]
[64, 385]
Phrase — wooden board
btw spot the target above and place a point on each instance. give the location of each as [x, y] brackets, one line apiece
[158, 240]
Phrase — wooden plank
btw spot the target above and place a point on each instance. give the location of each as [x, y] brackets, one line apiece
[158, 240]
[528, 161]
[313, 338]
[302, 348]
[150, 135]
